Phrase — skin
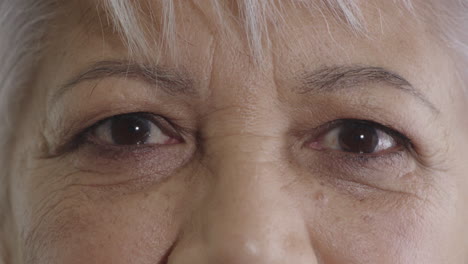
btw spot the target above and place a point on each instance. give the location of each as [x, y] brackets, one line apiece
[244, 185]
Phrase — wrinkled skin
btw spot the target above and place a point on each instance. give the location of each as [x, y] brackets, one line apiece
[245, 183]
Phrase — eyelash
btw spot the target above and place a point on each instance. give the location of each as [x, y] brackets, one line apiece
[400, 137]
[83, 138]
[359, 161]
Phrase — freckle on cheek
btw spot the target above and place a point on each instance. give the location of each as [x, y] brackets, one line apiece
[321, 199]
[367, 218]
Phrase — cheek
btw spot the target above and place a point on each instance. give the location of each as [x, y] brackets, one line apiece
[136, 228]
[387, 229]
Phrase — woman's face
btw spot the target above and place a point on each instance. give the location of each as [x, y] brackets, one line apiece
[333, 148]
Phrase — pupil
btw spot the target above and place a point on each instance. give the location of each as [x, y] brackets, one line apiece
[358, 138]
[130, 130]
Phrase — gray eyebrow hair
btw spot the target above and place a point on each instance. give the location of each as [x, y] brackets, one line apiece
[332, 79]
[169, 80]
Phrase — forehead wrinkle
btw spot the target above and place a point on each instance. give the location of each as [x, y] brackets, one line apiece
[159, 36]
[255, 18]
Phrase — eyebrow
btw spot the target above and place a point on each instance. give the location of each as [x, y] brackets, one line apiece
[169, 80]
[326, 79]
[336, 78]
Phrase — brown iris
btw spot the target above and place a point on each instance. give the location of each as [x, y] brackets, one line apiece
[358, 137]
[130, 130]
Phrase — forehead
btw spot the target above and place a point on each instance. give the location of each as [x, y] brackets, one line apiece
[192, 34]
[215, 49]
[169, 21]
[220, 58]
[161, 28]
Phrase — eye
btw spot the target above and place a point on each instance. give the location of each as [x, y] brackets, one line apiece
[133, 129]
[359, 137]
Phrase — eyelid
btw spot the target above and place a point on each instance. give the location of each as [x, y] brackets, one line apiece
[83, 136]
[162, 123]
[400, 138]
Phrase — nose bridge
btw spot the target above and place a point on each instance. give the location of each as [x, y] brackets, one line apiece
[247, 216]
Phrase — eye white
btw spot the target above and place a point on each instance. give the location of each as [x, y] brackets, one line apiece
[104, 134]
[385, 141]
[331, 140]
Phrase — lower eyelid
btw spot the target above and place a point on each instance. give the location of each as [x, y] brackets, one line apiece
[109, 155]
[364, 168]
[381, 172]
[110, 167]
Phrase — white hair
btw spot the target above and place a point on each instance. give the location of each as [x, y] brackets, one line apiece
[23, 24]
[21, 27]
[255, 16]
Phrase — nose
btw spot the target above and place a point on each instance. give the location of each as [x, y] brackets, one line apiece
[246, 215]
